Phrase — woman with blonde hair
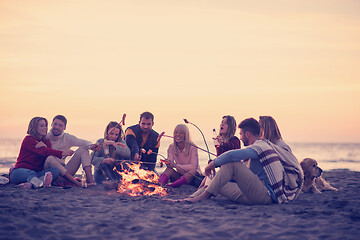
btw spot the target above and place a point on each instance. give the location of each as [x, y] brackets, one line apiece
[183, 158]
[113, 148]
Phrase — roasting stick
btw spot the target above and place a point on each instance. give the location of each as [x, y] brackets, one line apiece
[191, 145]
[167, 162]
[208, 151]
[122, 122]
[143, 151]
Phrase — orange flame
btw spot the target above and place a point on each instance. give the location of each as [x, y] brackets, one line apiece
[137, 182]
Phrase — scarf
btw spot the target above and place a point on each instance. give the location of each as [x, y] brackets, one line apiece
[282, 169]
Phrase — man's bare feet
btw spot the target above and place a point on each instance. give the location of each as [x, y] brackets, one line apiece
[189, 200]
[198, 192]
[172, 200]
[204, 195]
[47, 180]
[25, 185]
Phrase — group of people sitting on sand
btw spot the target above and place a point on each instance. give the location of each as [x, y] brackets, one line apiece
[264, 172]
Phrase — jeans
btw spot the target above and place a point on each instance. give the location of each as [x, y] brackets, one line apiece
[21, 175]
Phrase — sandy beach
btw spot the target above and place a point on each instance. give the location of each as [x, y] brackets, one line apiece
[97, 213]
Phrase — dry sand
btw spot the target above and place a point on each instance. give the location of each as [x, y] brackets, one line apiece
[96, 213]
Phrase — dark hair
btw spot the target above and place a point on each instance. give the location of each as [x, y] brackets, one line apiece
[61, 118]
[33, 125]
[250, 125]
[147, 115]
[231, 122]
[271, 130]
[113, 124]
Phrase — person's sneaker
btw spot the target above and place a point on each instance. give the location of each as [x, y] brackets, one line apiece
[26, 185]
[47, 180]
[36, 182]
[3, 180]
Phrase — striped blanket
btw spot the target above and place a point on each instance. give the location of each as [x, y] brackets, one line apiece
[282, 168]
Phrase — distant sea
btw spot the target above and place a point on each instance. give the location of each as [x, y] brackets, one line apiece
[329, 155]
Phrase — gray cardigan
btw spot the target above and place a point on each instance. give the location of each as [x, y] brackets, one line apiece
[121, 153]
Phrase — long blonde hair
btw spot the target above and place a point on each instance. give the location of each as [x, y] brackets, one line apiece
[183, 128]
[271, 130]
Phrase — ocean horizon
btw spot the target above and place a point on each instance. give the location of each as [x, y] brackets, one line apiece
[330, 156]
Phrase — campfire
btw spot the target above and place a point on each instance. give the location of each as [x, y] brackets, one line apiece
[139, 182]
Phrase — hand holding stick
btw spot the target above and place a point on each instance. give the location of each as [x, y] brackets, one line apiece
[163, 135]
[167, 162]
[97, 148]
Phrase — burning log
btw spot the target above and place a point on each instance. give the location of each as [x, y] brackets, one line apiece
[142, 181]
[139, 182]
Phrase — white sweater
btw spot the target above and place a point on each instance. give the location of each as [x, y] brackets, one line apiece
[66, 141]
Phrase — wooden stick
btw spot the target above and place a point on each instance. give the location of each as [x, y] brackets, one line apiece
[208, 151]
[167, 162]
[192, 145]
[118, 124]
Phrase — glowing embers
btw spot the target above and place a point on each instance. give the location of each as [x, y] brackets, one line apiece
[138, 182]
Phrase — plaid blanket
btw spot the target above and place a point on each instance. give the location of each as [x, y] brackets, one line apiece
[282, 168]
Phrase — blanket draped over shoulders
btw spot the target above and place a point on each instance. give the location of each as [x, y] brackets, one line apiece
[282, 168]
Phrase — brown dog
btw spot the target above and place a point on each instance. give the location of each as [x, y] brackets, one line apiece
[313, 182]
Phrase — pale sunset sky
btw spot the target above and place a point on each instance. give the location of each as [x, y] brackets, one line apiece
[92, 61]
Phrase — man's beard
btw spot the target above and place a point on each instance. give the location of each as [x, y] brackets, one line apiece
[52, 130]
[145, 130]
[246, 142]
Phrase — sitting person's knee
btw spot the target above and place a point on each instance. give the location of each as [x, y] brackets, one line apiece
[81, 151]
